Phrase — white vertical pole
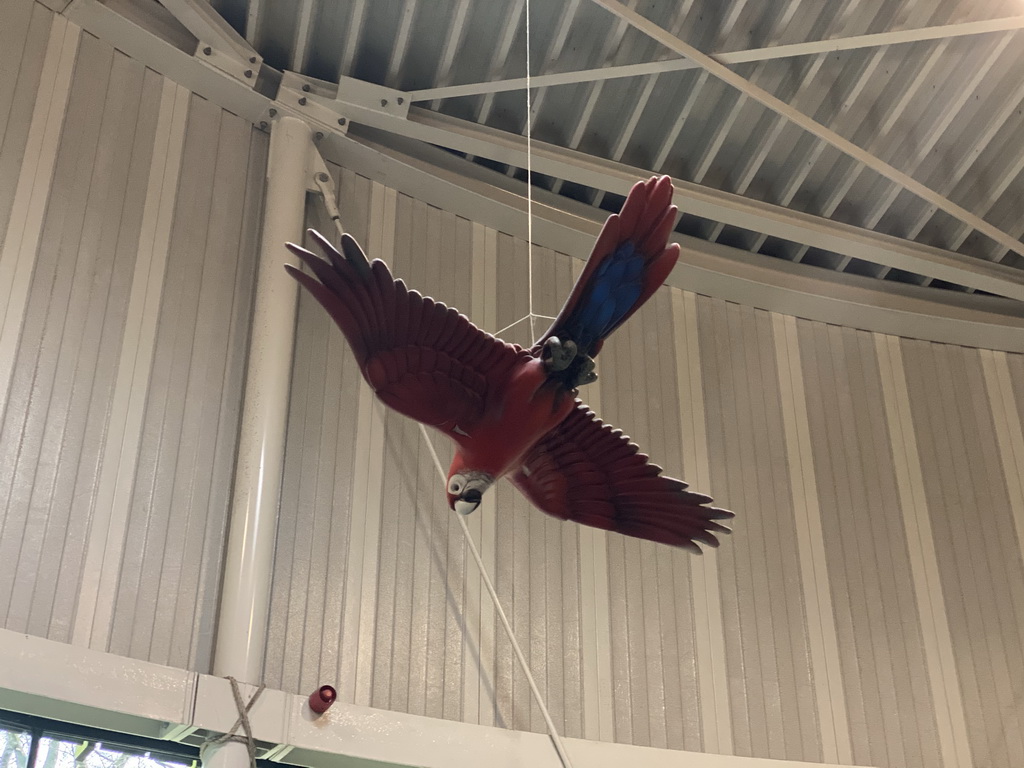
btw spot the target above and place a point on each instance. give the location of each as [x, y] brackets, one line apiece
[245, 599]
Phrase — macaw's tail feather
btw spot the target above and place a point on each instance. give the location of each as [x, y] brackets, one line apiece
[630, 260]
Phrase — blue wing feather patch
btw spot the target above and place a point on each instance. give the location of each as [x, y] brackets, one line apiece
[614, 289]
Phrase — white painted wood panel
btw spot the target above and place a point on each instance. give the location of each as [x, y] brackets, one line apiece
[24, 229]
[824, 646]
[114, 488]
[949, 708]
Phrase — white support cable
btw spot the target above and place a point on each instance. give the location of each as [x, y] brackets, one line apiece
[556, 739]
[521, 319]
[529, 183]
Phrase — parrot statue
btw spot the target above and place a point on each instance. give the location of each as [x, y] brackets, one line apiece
[511, 411]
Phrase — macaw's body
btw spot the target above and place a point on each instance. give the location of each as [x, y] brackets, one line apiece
[512, 411]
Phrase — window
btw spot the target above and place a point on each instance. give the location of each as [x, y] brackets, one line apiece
[15, 746]
[57, 745]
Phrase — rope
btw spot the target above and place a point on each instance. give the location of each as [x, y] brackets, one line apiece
[243, 720]
[529, 183]
[521, 319]
[556, 739]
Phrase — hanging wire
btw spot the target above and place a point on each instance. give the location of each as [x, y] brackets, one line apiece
[556, 739]
[529, 182]
[243, 720]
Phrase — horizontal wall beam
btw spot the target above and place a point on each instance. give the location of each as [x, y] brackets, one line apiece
[49, 679]
[440, 179]
[734, 210]
[856, 42]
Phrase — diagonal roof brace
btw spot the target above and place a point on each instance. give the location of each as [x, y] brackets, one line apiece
[219, 45]
[856, 42]
[722, 72]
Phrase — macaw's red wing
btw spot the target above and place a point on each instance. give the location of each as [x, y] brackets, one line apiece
[587, 472]
[630, 260]
[421, 358]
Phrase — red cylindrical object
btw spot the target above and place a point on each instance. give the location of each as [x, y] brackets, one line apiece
[321, 699]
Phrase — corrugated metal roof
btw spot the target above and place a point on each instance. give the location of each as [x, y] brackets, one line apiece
[947, 110]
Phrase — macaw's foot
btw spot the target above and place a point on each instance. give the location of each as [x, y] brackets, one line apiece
[558, 354]
[587, 374]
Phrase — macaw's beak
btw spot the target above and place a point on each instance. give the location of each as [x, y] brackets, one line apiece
[466, 488]
[467, 503]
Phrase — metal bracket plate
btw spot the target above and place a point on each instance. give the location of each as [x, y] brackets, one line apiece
[243, 70]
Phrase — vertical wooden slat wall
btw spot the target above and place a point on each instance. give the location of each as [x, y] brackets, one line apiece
[888, 700]
[181, 491]
[129, 215]
[23, 44]
[979, 560]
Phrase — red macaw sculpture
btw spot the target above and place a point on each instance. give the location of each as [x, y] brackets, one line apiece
[513, 411]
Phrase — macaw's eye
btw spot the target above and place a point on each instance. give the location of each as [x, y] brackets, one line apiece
[455, 485]
[472, 495]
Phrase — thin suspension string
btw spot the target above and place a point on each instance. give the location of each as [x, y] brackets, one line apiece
[556, 739]
[529, 183]
[521, 319]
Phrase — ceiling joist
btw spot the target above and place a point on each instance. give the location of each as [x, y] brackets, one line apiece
[209, 26]
[610, 176]
[721, 71]
[856, 42]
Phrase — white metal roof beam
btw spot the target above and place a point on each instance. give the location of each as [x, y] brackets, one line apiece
[883, 139]
[1010, 105]
[451, 45]
[627, 131]
[765, 140]
[725, 74]
[505, 38]
[626, 134]
[608, 48]
[303, 34]
[673, 135]
[431, 128]
[201, 20]
[252, 20]
[355, 31]
[924, 147]
[568, 14]
[814, 152]
[401, 42]
[589, 171]
[857, 42]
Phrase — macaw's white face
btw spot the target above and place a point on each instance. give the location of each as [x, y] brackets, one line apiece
[466, 489]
